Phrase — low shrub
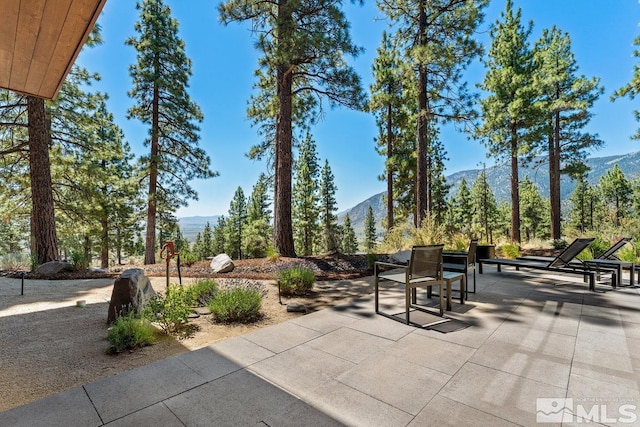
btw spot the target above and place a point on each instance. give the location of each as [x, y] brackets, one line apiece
[509, 250]
[130, 332]
[585, 255]
[170, 310]
[296, 281]
[79, 260]
[559, 243]
[188, 258]
[371, 259]
[201, 292]
[236, 304]
[598, 246]
[15, 261]
[628, 253]
[272, 254]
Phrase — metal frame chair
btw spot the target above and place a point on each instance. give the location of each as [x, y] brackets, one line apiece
[424, 270]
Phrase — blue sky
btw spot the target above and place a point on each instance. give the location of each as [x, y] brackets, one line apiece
[224, 61]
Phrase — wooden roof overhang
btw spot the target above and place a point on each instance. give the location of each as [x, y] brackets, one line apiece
[40, 40]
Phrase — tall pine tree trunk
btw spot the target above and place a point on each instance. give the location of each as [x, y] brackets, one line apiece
[152, 204]
[389, 163]
[104, 241]
[43, 223]
[554, 178]
[515, 188]
[282, 227]
[421, 152]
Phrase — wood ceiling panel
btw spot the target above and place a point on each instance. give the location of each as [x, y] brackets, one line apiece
[40, 40]
[8, 38]
[31, 14]
[56, 13]
[82, 12]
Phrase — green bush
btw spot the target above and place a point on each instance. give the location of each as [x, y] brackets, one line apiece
[171, 310]
[585, 255]
[371, 259]
[201, 292]
[628, 253]
[237, 304]
[598, 246]
[188, 258]
[79, 260]
[130, 332]
[559, 244]
[510, 250]
[296, 280]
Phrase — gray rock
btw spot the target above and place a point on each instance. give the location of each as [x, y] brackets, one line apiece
[202, 311]
[401, 257]
[54, 267]
[222, 264]
[131, 291]
[296, 307]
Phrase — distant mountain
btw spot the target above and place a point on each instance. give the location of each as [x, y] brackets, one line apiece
[499, 180]
[190, 226]
[498, 177]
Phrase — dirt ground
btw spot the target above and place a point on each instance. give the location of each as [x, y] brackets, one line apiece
[50, 345]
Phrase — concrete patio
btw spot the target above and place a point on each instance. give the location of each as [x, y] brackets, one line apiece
[522, 348]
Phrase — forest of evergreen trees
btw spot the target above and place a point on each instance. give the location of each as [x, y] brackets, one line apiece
[73, 189]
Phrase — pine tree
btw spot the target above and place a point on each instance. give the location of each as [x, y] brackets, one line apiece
[206, 248]
[349, 240]
[393, 111]
[632, 89]
[306, 197]
[581, 213]
[160, 80]
[616, 191]
[437, 38]
[484, 207]
[566, 99]
[258, 229]
[235, 223]
[219, 236]
[532, 209]
[509, 110]
[329, 206]
[303, 45]
[463, 208]
[369, 231]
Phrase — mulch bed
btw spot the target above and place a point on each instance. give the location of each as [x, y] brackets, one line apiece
[338, 267]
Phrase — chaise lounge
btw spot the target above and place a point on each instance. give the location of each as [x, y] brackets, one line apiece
[607, 260]
[560, 264]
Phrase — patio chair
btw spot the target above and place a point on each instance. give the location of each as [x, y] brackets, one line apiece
[424, 270]
[462, 262]
[607, 260]
[560, 264]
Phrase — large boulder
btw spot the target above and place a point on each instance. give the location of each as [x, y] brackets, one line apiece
[402, 257]
[222, 264]
[131, 291]
[53, 267]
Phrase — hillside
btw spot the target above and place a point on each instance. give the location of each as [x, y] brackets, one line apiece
[498, 177]
[190, 226]
[499, 181]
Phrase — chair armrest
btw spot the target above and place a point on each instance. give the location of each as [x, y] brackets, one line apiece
[389, 264]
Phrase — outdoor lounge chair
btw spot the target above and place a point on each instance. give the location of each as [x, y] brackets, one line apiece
[560, 264]
[424, 270]
[607, 260]
[462, 262]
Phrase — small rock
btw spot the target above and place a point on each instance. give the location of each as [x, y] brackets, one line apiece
[222, 264]
[202, 311]
[296, 307]
[54, 267]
